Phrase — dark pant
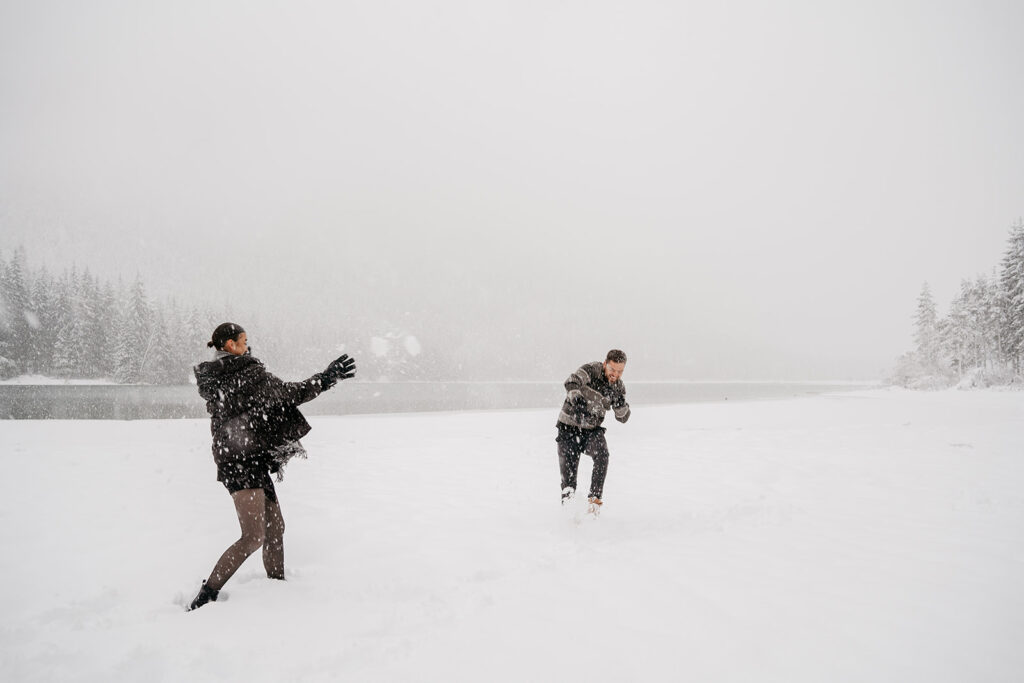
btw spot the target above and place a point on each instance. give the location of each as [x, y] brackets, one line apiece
[574, 442]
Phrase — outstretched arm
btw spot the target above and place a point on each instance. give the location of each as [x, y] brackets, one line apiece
[277, 392]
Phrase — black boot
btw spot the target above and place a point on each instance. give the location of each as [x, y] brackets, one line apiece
[206, 594]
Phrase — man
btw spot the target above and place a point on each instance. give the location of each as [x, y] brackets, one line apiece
[590, 392]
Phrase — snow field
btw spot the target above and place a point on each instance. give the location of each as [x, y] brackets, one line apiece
[848, 537]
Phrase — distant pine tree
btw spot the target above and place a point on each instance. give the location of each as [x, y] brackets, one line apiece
[957, 333]
[135, 335]
[980, 344]
[988, 321]
[157, 368]
[926, 335]
[15, 314]
[197, 331]
[1012, 300]
[183, 351]
[43, 304]
[8, 368]
[107, 331]
[89, 327]
[66, 356]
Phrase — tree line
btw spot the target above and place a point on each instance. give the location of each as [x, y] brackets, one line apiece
[75, 325]
[981, 339]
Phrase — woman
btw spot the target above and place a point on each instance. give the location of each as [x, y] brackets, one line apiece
[256, 427]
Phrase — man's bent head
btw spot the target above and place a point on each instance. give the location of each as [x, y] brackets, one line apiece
[614, 365]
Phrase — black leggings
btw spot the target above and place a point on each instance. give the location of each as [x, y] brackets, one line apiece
[572, 443]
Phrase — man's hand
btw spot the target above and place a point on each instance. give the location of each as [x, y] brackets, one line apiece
[579, 406]
[618, 400]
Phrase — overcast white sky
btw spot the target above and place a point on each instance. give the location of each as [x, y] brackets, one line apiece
[728, 190]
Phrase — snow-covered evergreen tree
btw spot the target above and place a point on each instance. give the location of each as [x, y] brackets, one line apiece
[15, 314]
[106, 344]
[998, 310]
[926, 335]
[89, 326]
[67, 328]
[988, 321]
[158, 366]
[8, 368]
[956, 337]
[135, 335]
[172, 357]
[197, 331]
[42, 301]
[1012, 282]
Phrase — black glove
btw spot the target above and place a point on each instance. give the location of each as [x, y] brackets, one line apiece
[618, 400]
[579, 406]
[341, 368]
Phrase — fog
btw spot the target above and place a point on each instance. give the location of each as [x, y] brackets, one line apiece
[725, 192]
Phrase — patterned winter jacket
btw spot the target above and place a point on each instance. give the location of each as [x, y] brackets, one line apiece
[252, 412]
[589, 396]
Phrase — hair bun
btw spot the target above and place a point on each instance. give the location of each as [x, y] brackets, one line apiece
[223, 333]
[209, 344]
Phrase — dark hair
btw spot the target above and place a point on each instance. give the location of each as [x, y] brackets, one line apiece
[616, 356]
[223, 333]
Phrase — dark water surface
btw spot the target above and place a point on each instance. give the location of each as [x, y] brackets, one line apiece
[138, 402]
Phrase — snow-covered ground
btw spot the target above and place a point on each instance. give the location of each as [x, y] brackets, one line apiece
[864, 536]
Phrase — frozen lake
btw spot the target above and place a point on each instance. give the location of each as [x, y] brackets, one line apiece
[134, 402]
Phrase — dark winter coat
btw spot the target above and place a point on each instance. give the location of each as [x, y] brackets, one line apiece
[589, 395]
[252, 412]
